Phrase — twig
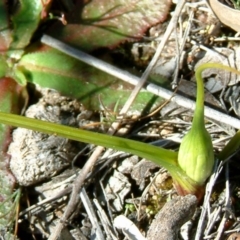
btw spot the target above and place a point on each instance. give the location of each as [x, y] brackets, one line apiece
[38, 205]
[77, 185]
[143, 79]
[189, 104]
[105, 221]
[213, 217]
[159, 107]
[91, 214]
[106, 200]
[129, 78]
[227, 205]
[205, 207]
[180, 45]
[129, 229]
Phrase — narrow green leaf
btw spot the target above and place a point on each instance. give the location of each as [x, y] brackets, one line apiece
[231, 147]
[160, 156]
[153, 153]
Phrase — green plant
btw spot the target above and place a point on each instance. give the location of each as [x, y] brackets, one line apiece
[24, 59]
[236, 4]
[187, 177]
[39, 64]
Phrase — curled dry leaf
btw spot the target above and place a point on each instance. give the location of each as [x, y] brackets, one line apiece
[227, 15]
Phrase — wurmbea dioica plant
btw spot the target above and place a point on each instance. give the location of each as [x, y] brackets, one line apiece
[189, 168]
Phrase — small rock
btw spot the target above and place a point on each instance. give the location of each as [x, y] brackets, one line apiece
[36, 156]
[171, 217]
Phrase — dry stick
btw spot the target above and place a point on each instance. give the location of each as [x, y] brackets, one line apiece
[228, 211]
[91, 214]
[77, 185]
[104, 220]
[209, 188]
[143, 79]
[130, 78]
[76, 188]
[180, 47]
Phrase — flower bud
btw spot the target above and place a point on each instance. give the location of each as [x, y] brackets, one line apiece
[196, 156]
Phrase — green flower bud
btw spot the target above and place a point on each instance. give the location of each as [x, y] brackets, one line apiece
[196, 157]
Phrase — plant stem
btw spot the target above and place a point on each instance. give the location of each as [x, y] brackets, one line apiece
[167, 158]
[160, 156]
[129, 78]
[199, 114]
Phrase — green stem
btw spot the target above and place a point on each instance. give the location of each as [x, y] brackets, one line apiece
[234, 143]
[198, 117]
[166, 158]
[199, 112]
[160, 156]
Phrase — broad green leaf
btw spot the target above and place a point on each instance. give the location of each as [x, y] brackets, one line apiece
[53, 69]
[25, 21]
[103, 23]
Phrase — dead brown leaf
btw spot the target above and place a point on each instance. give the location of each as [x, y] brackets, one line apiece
[227, 15]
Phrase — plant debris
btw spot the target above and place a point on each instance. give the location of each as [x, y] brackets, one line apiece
[121, 185]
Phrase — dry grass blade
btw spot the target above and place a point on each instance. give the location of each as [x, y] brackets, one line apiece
[206, 204]
[130, 78]
[91, 214]
[172, 24]
[105, 221]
